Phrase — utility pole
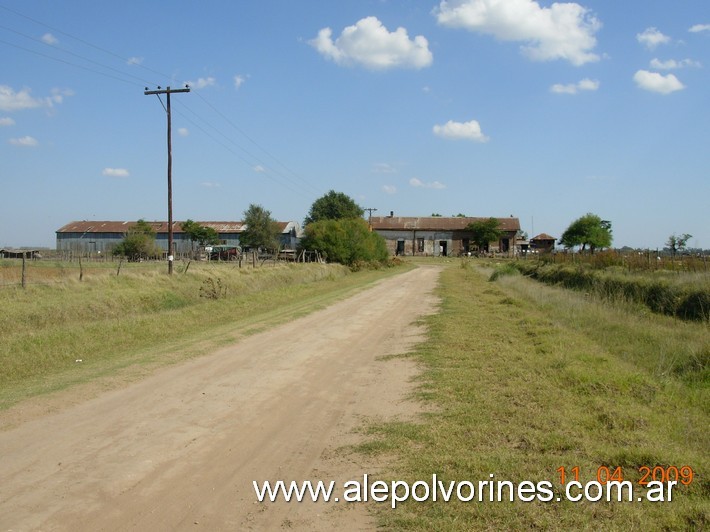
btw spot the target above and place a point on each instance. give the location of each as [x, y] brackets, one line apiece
[168, 91]
[369, 218]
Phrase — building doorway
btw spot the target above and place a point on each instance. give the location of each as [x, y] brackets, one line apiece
[442, 248]
[400, 247]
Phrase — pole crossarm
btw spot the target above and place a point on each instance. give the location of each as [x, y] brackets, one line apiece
[166, 91]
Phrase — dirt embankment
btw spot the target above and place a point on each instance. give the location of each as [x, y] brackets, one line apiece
[181, 448]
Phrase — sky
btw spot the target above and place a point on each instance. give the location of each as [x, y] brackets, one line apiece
[544, 111]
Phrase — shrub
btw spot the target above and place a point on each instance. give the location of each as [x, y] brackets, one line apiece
[505, 269]
[346, 241]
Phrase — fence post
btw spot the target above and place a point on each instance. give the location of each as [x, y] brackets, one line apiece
[24, 267]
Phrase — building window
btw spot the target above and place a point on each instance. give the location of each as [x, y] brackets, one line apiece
[420, 245]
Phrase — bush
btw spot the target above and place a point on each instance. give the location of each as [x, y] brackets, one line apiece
[695, 306]
[505, 269]
[346, 241]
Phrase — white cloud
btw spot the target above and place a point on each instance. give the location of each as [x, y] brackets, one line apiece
[58, 96]
[418, 183]
[655, 82]
[561, 31]
[461, 130]
[210, 184]
[672, 64]
[651, 38]
[389, 189]
[134, 61]
[6, 121]
[115, 172]
[239, 80]
[259, 169]
[370, 44]
[26, 142]
[183, 132]
[383, 168]
[573, 88]
[201, 83]
[50, 39]
[697, 28]
[18, 101]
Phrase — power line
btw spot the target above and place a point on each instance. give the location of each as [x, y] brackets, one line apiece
[231, 123]
[277, 177]
[53, 47]
[267, 170]
[83, 67]
[79, 39]
[249, 163]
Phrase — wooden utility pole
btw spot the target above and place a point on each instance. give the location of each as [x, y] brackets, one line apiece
[369, 218]
[168, 91]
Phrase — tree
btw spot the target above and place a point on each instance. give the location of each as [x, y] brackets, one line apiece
[483, 232]
[138, 242]
[262, 231]
[346, 241]
[201, 234]
[677, 243]
[588, 230]
[333, 206]
[435, 215]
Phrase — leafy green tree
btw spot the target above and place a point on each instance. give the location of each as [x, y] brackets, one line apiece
[201, 234]
[435, 215]
[333, 206]
[262, 231]
[677, 244]
[483, 232]
[138, 242]
[346, 241]
[588, 230]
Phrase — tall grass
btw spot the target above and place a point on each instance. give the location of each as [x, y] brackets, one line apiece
[521, 379]
[685, 296]
[69, 331]
[637, 260]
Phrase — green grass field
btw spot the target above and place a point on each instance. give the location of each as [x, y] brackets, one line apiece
[521, 379]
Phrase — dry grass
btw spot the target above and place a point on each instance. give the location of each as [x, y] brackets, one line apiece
[523, 379]
[144, 316]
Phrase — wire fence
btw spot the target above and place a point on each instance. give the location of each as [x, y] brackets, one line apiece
[57, 267]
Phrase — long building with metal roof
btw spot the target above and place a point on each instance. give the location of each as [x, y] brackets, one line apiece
[439, 235]
[102, 236]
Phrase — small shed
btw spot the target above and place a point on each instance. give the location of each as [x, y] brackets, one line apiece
[543, 243]
[12, 253]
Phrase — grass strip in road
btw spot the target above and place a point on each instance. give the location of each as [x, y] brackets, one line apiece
[518, 385]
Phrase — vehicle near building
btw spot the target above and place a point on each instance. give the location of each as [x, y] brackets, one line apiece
[224, 252]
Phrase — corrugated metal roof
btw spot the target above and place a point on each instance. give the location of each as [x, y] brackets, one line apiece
[94, 227]
[437, 223]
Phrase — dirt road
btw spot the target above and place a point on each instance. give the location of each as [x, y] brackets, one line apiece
[181, 448]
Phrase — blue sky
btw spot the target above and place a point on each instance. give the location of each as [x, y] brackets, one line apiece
[483, 107]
